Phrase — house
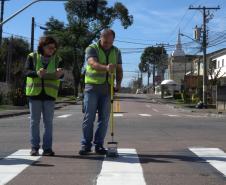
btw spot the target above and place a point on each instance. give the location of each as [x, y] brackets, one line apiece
[217, 66]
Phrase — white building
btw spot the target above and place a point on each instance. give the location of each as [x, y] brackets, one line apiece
[218, 62]
[221, 65]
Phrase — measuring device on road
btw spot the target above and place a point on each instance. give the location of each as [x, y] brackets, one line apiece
[112, 145]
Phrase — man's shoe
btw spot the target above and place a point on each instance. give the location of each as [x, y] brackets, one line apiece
[34, 152]
[84, 150]
[100, 150]
[48, 152]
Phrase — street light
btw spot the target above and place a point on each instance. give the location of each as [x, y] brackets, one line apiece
[183, 35]
[22, 9]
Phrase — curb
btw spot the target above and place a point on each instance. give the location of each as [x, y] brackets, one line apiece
[196, 111]
[13, 114]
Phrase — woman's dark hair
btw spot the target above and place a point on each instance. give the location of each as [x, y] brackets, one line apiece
[44, 41]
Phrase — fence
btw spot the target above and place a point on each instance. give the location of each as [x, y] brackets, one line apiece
[221, 98]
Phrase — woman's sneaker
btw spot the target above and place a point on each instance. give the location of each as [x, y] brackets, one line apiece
[34, 152]
[48, 152]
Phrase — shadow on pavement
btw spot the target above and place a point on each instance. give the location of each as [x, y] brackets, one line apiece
[168, 158]
[38, 164]
[89, 157]
[14, 161]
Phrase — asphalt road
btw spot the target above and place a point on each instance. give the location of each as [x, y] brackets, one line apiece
[160, 134]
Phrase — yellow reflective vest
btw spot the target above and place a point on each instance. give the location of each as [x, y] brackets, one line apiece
[93, 76]
[34, 85]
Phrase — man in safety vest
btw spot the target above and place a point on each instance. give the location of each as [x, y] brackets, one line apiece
[102, 59]
[43, 70]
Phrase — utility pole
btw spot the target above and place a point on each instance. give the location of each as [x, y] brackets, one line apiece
[9, 60]
[149, 74]
[206, 14]
[153, 75]
[1, 18]
[32, 33]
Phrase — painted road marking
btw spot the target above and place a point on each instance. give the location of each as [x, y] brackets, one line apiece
[118, 115]
[155, 110]
[125, 169]
[64, 116]
[148, 105]
[145, 115]
[14, 164]
[117, 106]
[171, 115]
[196, 116]
[214, 156]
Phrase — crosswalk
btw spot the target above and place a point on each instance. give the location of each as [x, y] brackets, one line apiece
[113, 170]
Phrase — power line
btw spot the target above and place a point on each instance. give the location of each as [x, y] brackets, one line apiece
[180, 21]
[19, 36]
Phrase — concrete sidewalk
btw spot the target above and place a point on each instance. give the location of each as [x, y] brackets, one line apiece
[21, 110]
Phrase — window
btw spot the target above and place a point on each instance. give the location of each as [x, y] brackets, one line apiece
[222, 62]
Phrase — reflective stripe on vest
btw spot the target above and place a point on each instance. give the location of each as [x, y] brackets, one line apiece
[34, 85]
[93, 76]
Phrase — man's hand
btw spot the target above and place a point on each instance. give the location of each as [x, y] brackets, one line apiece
[41, 72]
[110, 68]
[59, 72]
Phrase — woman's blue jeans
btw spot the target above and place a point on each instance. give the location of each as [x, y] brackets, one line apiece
[46, 108]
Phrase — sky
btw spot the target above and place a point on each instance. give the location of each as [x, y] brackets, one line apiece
[155, 22]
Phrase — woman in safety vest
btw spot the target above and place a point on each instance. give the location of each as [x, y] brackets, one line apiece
[43, 71]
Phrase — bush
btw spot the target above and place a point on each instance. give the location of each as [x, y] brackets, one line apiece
[1, 98]
[177, 96]
[186, 98]
[18, 97]
[195, 99]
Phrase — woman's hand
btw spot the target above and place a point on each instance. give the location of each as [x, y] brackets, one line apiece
[59, 72]
[41, 72]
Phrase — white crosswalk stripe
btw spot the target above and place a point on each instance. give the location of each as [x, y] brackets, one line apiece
[14, 164]
[214, 156]
[125, 169]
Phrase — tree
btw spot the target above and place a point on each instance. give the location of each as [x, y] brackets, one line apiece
[155, 57]
[13, 54]
[86, 19]
[215, 76]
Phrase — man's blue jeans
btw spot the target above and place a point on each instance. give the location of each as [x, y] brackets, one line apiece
[46, 108]
[95, 101]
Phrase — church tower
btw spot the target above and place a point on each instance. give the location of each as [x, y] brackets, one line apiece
[178, 63]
